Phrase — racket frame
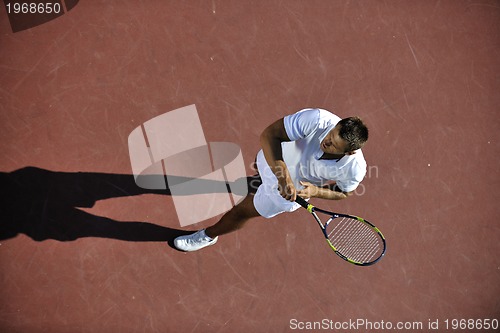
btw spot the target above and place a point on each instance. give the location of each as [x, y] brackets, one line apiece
[313, 209]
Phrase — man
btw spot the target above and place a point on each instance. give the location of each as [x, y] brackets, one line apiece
[312, 153]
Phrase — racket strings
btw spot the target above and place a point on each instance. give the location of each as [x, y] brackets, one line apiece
[355, 240]
[361, 248]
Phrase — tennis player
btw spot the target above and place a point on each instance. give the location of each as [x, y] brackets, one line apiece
[312, 153]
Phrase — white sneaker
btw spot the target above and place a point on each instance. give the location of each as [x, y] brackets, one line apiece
[194, 242]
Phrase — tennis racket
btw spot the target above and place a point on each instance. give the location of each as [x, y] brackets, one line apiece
[352, 238]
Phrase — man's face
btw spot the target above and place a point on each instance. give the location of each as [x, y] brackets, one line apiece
[333, 143]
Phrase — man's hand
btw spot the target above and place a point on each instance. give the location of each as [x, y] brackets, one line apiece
[330, 192]
[309, 190]
[286, 187]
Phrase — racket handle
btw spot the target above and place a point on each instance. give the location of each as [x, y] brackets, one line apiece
[302, 202]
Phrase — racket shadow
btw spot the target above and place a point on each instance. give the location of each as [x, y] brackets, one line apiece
[44, 204]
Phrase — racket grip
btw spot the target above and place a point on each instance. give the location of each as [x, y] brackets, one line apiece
[302, 202]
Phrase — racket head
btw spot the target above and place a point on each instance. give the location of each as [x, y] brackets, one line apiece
[354, 239]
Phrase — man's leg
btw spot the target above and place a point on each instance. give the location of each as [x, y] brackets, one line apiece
[231, 221]
[234, 219]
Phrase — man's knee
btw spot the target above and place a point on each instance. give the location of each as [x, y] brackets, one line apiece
[246, 208]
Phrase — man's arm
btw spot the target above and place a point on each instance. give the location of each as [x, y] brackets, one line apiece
[270, 140]
[330, 192]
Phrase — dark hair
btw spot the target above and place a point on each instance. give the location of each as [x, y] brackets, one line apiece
[354, 131]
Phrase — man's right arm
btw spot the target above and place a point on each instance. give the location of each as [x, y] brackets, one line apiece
[270, 140]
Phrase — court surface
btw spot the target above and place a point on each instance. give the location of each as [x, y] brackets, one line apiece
[84, 249]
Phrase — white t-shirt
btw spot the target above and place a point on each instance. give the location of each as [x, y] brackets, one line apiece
[307, 128]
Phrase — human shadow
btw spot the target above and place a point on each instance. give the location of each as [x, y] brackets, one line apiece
[44, 204]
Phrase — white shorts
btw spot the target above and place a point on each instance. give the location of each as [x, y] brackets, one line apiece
[267, 200]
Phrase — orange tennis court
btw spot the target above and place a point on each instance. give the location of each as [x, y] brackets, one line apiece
[85, 249]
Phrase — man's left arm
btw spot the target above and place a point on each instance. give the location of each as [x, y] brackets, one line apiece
[329, 192]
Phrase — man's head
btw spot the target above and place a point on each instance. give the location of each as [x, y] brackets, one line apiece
[349, 135]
